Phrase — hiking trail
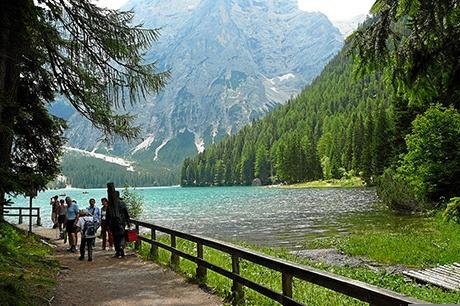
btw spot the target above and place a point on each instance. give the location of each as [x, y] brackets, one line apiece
[113, 281]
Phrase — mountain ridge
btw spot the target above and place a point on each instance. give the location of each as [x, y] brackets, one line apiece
[232, 61]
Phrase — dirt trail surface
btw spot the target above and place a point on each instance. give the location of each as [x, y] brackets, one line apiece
[113, 281]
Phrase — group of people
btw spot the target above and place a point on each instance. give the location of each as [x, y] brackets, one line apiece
[71, 221]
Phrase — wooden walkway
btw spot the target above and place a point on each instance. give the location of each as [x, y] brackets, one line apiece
[447, 276]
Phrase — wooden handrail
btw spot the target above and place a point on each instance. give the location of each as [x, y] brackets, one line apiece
[353, 288]
[21, 214]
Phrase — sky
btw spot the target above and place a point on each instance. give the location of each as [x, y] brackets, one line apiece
[337, 9]
[334, 9]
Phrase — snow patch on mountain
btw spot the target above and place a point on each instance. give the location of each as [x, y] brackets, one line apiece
[110, 159]
[199, 143]
[145, 144]
[285, 77]
[158, 149]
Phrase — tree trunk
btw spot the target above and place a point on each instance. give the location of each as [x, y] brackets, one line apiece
[12, 43]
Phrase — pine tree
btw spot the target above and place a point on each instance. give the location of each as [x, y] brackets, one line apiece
[262, 165]
[90, 55]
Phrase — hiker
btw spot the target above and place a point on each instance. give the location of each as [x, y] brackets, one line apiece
[87, 226]
[117, 221]
[62, 212]
[71, 216]
[54, 202]
[105, 230]
[94, 210]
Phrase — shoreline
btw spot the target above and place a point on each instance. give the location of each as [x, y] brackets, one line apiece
[354, 182]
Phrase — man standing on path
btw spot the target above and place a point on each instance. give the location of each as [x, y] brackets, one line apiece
[94, 210]
[118, 219]
[87, 225]
[72, 214]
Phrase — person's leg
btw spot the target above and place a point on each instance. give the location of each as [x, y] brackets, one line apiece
[110, 238]
[116, 242]
[104, 236]
[82, 249]
[69, 228]
[90, 243]
[122, 245]
[75, 235]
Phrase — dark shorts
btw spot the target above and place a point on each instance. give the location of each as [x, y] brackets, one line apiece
[70, 226]
[61, 219]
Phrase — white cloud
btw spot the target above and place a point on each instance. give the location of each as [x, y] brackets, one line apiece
[337, 9]
[111, 4]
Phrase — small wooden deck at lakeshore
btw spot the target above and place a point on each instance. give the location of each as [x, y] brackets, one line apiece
[447, 276]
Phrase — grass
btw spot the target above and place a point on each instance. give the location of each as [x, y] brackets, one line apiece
[304, 292]
[27, 273]
[353, 182]
[426, 243]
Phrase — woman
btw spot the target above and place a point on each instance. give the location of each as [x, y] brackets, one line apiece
[105, 230]
[62, 214]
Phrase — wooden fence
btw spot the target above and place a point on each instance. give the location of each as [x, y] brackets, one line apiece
[23, 212]
[356, 289]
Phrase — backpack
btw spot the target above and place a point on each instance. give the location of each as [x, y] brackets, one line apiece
[89, 229]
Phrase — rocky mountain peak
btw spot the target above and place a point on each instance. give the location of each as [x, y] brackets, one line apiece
[231, 61]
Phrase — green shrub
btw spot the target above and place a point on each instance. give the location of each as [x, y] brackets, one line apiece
[134, 202]
[396, 193]
[452, 211]
[432, 162]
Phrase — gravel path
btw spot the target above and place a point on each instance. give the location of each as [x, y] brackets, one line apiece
[112, 281]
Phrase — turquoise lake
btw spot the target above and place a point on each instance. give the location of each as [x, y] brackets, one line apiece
[258, 215]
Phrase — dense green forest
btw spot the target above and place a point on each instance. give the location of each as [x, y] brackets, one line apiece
[86, 172]
[338, 126]
[385, 109]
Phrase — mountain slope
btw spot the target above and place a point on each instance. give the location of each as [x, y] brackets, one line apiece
[232, 61]
[338, 126]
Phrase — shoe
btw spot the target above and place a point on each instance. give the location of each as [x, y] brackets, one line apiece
[103, 249]
[119, 257]
[90, 259]
[73, 250]
[81, 258]
[69, 249]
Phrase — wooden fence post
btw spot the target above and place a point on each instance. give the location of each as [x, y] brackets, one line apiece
[137, 244]
[287, 287]
[201, 272]
[237, 289]
[39, 219]
[20, 216]
[153, 248]
[174, 256]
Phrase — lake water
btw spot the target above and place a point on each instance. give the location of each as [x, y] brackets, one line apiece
[262, 216]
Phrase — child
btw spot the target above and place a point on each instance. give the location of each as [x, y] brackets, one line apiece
[87, 225]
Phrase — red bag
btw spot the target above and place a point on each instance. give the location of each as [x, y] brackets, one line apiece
[131, 235]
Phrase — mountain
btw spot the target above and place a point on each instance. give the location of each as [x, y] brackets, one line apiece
[232, 61]
[347, 26]
[339, 126]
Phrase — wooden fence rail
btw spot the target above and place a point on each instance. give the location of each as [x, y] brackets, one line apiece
[356, 289]
[23, 212]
